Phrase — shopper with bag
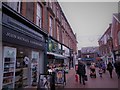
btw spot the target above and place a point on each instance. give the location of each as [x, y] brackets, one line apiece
[81, 72]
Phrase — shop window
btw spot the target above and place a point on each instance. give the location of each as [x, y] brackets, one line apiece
[119, 37]
[39, 16]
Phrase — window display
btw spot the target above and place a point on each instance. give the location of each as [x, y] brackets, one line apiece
[9, 60]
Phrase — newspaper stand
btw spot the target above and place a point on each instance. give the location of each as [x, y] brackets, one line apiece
[60, 78]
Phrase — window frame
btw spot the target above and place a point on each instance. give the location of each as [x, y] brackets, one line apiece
[58, 33]
[40, 17]
[50, 25]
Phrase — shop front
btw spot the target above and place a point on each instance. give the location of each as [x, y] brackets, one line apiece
[54, 54]
[23, 51]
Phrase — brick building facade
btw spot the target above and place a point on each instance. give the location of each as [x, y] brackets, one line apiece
[109, 42]
[37, 32]
[115, 31]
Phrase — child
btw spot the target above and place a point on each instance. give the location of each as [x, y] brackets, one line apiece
[100, 72]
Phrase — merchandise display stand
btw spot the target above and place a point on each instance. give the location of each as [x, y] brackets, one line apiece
[9, 64]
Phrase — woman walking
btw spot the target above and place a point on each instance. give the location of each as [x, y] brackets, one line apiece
[110, 68]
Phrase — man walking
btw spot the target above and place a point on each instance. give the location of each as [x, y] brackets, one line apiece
[117, 68]
[110, 68]
[81, 72]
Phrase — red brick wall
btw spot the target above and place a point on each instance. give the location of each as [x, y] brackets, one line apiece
[29, 11]
[115, 30]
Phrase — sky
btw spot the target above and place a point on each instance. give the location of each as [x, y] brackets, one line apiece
[89, 20]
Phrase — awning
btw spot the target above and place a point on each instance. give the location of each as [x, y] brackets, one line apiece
[57, 56]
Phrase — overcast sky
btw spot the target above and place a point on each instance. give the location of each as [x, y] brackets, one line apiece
[89, 20]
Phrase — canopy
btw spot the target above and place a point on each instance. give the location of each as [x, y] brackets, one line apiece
[57, 56]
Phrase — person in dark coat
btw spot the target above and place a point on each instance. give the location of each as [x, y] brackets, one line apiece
[81, 72]
[110, 68]
[117, 68]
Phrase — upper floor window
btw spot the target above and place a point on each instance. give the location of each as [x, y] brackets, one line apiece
[58, 35]
[51, 4]
[57, 11]
[51, 26]
[62, 20]
[15, 4]
[63, 39]
[39, 16]
[119, 37]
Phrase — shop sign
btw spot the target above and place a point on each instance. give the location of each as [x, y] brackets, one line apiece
[52, 46]
[20, 38]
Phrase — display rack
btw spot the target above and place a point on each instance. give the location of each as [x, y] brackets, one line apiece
[9, 61]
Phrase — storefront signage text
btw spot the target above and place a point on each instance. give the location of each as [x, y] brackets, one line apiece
[22, 38]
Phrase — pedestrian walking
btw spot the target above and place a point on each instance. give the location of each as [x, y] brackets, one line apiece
[110, 68]
[100, 72]
[92, 70]
[81, 72]
[117, 68]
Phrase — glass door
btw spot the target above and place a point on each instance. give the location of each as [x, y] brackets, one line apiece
[22, 68]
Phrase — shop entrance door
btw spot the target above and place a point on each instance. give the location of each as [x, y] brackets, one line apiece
[22, 68]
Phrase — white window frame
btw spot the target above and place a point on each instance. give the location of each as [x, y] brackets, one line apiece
[39, 16]
[51, 26]
[58, 34]
[63, 40]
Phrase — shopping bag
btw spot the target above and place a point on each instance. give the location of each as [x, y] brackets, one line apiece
[76, 77]
[85, 78]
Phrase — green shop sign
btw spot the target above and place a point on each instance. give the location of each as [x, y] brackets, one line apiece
[52, 46]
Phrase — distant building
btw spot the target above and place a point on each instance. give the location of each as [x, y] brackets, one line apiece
[89, 53]
[106, 45]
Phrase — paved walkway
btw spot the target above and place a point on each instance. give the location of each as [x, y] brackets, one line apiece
[104, 82]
